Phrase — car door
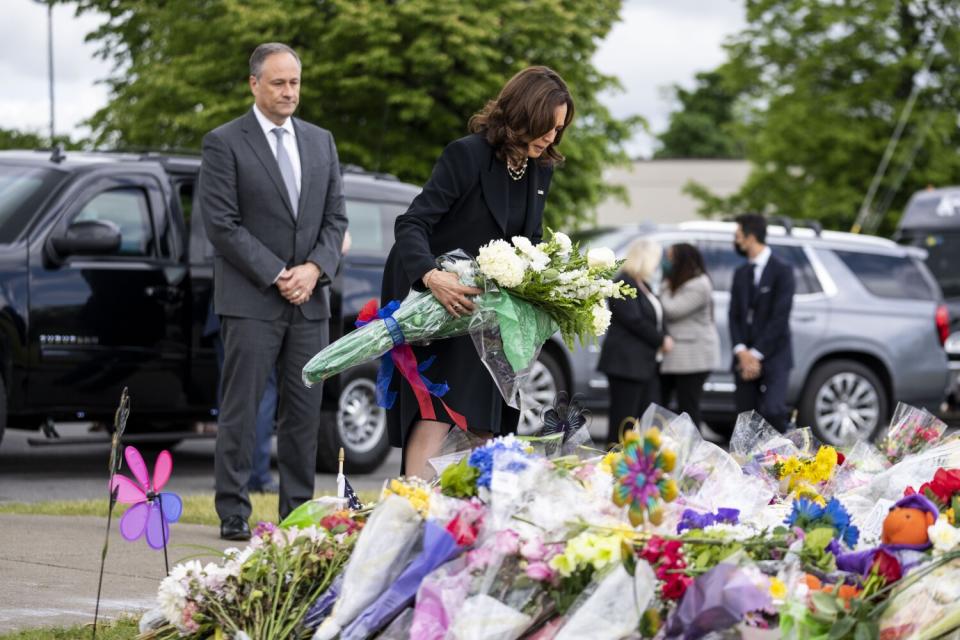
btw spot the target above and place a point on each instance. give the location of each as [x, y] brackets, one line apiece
[103, 322]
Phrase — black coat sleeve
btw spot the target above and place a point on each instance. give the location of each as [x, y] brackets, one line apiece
[776, 329]
[628, 312]
[453, 176]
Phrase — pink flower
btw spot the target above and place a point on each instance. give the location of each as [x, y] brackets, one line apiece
[533, 550]
[539, 571]
[507, 542]
[478, 559]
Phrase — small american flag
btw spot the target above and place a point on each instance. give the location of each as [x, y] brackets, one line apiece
[344, 490]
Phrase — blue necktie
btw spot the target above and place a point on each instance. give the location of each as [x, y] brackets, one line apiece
[286, 171]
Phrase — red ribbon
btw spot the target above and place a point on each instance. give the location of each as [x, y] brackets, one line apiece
[406, 362]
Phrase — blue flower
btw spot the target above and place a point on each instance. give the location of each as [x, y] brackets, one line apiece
[691, 519]
[807, 514]
[482, 460]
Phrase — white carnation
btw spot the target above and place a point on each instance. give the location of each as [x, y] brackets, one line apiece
[499, 261]
[601, 257]
[944, 536]
[172, 598]
[601, 319]
[522, 243]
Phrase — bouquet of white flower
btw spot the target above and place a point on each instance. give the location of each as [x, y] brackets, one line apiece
[530, 291]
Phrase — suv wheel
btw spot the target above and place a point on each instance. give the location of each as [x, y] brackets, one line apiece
[359, 425]
[843, 401]
[539, 390]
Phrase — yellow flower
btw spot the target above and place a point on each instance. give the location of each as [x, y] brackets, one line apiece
[778, 590]
[419, 497]
[951, 516]
[606, 464]
[564, 564]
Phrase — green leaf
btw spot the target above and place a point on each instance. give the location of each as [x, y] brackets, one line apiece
[867, 630]
[826, 603]
[841, 628]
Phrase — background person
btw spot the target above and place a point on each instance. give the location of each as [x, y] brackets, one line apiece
[492, 184]
[635, 342]
[273, 207]
[760, 302]
[687, 299]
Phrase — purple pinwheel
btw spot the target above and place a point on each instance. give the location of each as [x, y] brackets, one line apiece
[152, 511]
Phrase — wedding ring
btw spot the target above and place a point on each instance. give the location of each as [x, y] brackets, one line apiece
[297, 293]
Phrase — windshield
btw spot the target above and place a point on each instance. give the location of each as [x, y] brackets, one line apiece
[943, 258]
[22, 189]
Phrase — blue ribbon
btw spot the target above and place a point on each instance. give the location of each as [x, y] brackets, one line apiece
[385, 397]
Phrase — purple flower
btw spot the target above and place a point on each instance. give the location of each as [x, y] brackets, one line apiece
[691, 519]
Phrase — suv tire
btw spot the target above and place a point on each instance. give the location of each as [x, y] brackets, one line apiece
[843, 399]
[358, 425]
[539, 390]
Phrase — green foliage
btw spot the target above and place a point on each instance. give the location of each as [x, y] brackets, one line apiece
[14, 139]
[122, 629]
[460, 480]
[821, 87]
[703, 125]
[814, 551]
[394, 81]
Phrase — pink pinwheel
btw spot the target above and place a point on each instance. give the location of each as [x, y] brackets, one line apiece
[152, 511]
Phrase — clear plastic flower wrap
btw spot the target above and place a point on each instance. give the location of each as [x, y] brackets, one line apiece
[862, 462]
[926, 609]
[912, 430]
[382, 551]
[711, 479]
[751, 433]
[610, 608]
[912, 471]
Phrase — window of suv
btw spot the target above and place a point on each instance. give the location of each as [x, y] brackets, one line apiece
[721, 261]
[888, 276]
[128, 209]
[371, 225]
[943, 258]
[22, 190]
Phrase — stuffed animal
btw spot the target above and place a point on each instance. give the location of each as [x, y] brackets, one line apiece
[906, 524]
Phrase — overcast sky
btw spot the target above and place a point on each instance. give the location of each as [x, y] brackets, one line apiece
[658, 43]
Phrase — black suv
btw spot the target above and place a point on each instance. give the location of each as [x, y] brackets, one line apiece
[105, 282]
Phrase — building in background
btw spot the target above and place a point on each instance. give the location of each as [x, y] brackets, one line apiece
[656, 192]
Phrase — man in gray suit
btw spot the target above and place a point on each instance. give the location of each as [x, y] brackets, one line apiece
[272, 202]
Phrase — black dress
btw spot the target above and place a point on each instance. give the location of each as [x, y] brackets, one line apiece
[469, 200]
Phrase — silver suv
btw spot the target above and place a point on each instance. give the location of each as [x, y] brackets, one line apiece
[868, 327]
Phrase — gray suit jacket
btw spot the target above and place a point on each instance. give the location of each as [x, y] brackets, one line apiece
[688, 317]
[249, 218]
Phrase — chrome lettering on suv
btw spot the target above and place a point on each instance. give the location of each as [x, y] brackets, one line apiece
[68, 340]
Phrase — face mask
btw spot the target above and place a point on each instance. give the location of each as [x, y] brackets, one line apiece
[666, 267]
[739, 250]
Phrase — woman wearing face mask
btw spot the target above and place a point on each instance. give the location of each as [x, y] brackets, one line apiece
[490, 185]
[635, 342]
[687, 299]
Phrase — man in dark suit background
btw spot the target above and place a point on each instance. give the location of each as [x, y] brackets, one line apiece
[272, 202]
[760, 304]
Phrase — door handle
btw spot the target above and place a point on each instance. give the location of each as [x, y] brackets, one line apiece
[803, 317]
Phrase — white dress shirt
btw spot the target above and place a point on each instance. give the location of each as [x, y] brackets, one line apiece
[289, 144]
[759, 264]
[289, 141]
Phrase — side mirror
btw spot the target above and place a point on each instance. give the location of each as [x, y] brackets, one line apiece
[86, 238]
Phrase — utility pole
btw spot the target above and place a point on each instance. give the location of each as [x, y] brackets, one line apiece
[49, 4]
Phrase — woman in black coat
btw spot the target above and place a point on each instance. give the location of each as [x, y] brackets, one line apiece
[635, 342]
[489, 185]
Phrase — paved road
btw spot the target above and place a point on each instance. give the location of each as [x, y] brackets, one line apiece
[70, 472]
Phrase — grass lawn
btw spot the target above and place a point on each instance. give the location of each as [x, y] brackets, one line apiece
[197, 508]
[122, 629]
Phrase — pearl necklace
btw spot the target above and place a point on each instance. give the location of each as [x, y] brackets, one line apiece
[517, 174]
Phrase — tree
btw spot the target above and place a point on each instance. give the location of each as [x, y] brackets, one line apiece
[703, 125]
[824, 84]
[394, 81]
[14, 139]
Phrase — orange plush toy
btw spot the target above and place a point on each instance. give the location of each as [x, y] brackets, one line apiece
[906, 525]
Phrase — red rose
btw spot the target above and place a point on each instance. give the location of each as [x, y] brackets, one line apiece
[676, 586]
[886, 566]
[840, 458]
[944, 484]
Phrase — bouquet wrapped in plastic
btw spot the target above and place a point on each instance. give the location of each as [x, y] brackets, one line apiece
[911, 430]
[530, 291]
[387, 542]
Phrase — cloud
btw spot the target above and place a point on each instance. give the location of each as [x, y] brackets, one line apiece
[24, 102]
[657, 44]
